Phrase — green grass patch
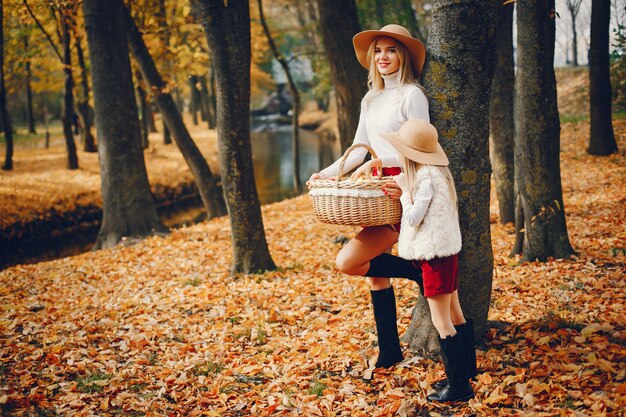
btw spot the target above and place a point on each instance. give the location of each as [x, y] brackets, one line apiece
[93, 383]
[571, 118]
[553, 321]
[208, 368]
[317, 388]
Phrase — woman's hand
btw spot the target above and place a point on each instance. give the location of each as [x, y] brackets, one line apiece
[392, 190]
[315, 176]
[366, 169]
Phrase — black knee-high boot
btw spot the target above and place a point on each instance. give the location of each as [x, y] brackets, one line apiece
[384, 302]
[466, 330]
[387, 265]
[458, 388]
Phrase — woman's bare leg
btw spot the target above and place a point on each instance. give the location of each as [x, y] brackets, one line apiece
[354, 258]
[440, 314]
[456, 314]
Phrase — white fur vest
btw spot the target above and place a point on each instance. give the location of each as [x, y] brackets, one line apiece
[439, 234]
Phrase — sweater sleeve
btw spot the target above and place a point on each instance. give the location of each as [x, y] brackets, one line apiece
[357, 156]
[421, 200]
[416, 106]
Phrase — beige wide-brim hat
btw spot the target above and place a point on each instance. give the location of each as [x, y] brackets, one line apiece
[417, 50]
[418, 141]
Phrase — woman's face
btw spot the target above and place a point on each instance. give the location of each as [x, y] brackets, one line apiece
[386, 56]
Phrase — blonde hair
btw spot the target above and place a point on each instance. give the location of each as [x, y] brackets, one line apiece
[411, 167]
[406, 75]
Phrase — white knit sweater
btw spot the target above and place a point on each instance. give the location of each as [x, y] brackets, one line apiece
[384, 113]
[439, 234]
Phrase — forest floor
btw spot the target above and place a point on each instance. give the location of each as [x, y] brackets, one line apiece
[160, 329]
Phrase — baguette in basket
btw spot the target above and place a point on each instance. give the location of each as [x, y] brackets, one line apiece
[354, 203]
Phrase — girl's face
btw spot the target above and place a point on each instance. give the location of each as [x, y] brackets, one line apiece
[386, 56]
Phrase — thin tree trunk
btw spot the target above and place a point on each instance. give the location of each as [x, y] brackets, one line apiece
[6, 122]
[212, 100]
[349, 78]
[150, 115]
[204, 99]
[68, 96]
[574, 39]
[206, 182]
[141, 99]
[227, 29]
[458, 74]
[501, 115]
[29, 92]
[602, 138]
[128, 204]
[84, 109]
[194, 99]
[295, 133]
[537, 131]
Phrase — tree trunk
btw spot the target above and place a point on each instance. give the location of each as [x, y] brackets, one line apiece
[29, 92]
[128, 205]
[602, 138]
[6, 122]
[84, 109]
[143, 105]
[349, 78]
[501, 111]
[68, 97]
[295, 125]
[150, 115]
[206, 182]
[193, 99]
[574, 39]
[227, 28]
[537, 130]
[204, 99]
[211, 99]
[458, 73]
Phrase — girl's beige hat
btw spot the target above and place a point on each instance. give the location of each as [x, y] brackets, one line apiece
[417, 50]
[417, 140]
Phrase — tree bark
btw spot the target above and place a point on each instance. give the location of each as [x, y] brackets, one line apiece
[602, 137]
[84, 109]
[295, 125]
[458, 74]
[349, 78]
[204, 100]
[537, 134]
[206, 182]
[501, 112]
[211, 99]
[6, 122]
[68, 96]
[227, 29]
[128, 205]
[29, 91]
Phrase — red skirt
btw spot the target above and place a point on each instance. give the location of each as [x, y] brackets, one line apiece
[388, 172]
[440, 275]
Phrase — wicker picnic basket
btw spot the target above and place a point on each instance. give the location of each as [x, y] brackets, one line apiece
[354, 203]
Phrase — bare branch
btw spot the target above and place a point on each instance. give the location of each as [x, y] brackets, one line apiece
[52, 44]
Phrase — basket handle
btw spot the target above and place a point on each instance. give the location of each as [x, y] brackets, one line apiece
[345, 157]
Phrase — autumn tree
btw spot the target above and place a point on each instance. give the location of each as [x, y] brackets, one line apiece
[460, 61]
[602, 138]
[349, 78]
[61, 13]
[295, 125]
[84, 109]
[374, 14]
[128, 205]
[573, 7]
[501, 113]
[4, 114]
[206, 182]
[227, 28]
[540, 214]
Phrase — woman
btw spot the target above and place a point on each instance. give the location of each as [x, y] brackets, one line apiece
[395, 60]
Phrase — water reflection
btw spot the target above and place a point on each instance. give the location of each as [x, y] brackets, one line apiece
[273, 162]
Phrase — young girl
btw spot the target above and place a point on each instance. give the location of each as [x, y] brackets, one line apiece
[431, 237]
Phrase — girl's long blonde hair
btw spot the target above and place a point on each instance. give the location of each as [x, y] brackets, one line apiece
[411, 167]
[375, 82]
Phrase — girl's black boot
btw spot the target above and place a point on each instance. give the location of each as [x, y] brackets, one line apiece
[387, 265]
[458, 388]
[466, 330]
[384, 303]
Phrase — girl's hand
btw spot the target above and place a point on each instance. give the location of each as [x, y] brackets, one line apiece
[315, 176]
[402, 181]
[392, 190]
[366, 169]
